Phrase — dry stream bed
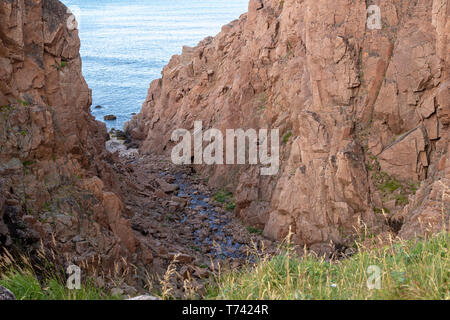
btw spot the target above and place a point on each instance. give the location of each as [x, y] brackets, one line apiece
[189, 227]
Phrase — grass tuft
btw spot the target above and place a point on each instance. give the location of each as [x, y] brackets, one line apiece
[26, 286]
[409, 270]
[254, 230]
[45, 281]
[286, 137]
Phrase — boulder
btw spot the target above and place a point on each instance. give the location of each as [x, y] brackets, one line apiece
[167, 187]
[6, 294]
[407, 157]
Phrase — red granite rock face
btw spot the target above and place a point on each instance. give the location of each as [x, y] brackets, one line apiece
[54, 168]
[368, 110]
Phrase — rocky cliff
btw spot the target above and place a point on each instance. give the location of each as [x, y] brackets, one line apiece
[56, 178]
[364, 114]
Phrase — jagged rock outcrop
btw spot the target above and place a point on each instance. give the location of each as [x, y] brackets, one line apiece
[56, 177]
[368, 111]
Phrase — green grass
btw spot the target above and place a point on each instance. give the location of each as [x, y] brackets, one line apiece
[26, 286]
[390, 186]
[47, 206]
[409, 270]
[28, 163]
[254, 230]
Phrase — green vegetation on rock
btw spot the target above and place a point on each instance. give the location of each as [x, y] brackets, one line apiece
[225, 198]
[254, 230]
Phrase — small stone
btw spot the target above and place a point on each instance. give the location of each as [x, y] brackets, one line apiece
[77, 238]
[201, 273]
[118, 134]
[81, 247]
[100, 282]
[129, 290]
[12, 165]
[110, 117]
[391, 205]
[145, 297]
[12, 202]
[180, 257]
[349, 251]
[116, 292]
[160, 194]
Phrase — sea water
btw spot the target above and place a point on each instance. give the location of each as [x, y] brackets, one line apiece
[125, 44]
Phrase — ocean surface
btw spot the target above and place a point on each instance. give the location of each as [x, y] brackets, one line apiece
[125, 44]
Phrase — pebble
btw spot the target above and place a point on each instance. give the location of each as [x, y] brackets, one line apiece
[110, 117]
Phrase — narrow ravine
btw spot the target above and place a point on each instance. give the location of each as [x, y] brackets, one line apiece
[214, 230]
[175, 214]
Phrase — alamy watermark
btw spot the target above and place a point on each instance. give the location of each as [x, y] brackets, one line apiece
[74, 19]
[374, 279]
[374, 17]
[74, 279]
[235, 145]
